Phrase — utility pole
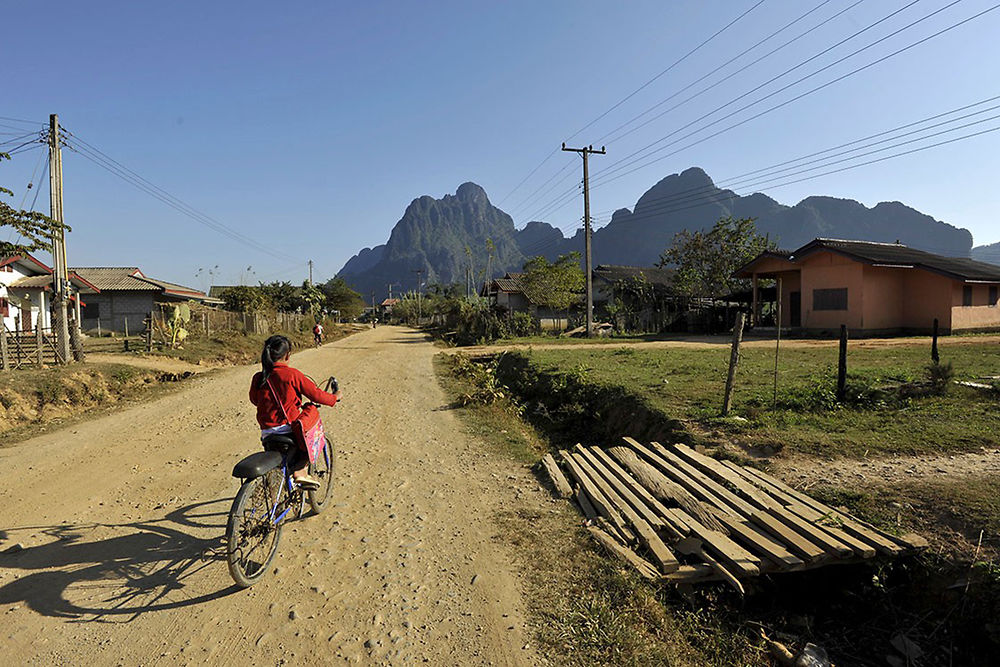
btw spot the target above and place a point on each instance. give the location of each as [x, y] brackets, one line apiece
[420, 310]
[310, 273]
[585, 152]
[60, 275]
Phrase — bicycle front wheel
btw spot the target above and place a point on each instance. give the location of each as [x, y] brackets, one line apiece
[251, 534]
[322, 470]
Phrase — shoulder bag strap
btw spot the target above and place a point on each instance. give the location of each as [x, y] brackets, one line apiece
[276, 400]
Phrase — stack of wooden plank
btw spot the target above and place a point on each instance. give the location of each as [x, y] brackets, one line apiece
[677, 515]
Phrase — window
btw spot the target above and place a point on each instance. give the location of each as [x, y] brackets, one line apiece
[4, 307]
[91, 311]
[993, 295]
[830, 299]
[967, 295]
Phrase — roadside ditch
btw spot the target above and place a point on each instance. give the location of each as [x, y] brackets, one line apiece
[934, 609]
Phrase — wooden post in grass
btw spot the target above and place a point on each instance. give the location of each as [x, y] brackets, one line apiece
[4, 359]
[842, 365]
[149, 332]
[777, 345]
[40, 342]
[934, 351]
[734, 358]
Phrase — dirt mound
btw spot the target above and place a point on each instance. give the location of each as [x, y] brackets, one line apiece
[48, 395]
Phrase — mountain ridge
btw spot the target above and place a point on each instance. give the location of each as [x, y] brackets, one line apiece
[433, 234]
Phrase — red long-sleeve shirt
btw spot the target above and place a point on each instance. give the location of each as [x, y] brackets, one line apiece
[289, 384]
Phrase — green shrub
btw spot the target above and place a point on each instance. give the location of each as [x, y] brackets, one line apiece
[940, 376]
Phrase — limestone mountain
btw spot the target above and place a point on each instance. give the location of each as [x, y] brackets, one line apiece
[433, 234]
[432, 237]
[987, 253]
[690, 200]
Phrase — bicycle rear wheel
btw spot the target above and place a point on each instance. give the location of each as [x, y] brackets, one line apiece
[251, 536]
[322, 470]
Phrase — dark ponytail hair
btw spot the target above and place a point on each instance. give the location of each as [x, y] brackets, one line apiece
[275, 349]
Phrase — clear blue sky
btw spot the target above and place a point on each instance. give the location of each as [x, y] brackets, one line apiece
[310, 126]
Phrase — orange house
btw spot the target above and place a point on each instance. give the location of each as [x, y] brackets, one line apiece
[877, 289]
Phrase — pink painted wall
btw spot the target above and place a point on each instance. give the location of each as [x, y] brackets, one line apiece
[827, 270]
[884, 302]
[927, 295]
[791, 281]
[980, 315]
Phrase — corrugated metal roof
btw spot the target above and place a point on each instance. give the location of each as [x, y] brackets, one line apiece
[899, 255]
[116, 278]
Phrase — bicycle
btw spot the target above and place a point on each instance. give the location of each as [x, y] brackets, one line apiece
[267, 497]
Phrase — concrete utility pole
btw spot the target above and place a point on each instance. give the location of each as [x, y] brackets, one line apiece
[420, 309]
[60, 275]
[310, 273]
[585, 152]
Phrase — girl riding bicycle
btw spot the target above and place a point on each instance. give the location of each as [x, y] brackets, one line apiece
[277, 381]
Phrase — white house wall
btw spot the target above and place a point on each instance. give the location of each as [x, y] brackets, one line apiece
[16, 298]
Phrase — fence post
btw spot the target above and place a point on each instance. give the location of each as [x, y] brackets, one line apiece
[842, 365]
[734, 358]
[4, 360]
[126, 325]
[40, 342]
[98, 327]
[149, 332]
[934, 351]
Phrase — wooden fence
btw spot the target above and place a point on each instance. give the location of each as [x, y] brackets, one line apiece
[19, 349]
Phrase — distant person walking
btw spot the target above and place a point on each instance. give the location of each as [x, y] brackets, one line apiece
[318, 334]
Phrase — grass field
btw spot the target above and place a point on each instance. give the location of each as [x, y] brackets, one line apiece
[590, 611]
[688, 384]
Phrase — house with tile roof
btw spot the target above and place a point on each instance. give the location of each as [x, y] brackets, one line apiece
[26, 291]
[127, 295]
[877, 288]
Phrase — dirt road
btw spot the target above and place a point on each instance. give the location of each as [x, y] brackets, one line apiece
[110, 541]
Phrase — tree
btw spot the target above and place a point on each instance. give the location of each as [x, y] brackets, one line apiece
[244, 299]
[36, 228]
[284, 296]
[705, 261]
[555, 285]
[339, 296]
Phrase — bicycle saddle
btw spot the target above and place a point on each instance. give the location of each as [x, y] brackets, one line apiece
[278, 443]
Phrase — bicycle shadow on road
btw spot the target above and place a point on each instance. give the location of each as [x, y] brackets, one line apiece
[142, 567]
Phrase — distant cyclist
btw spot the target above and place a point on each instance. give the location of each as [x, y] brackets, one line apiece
[318, 333]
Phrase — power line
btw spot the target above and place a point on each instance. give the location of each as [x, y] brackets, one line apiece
[605, 176]
[616, 166]
[744, 180]
[633, 93]
[680, 203]
[107, 163]
[608, 137]
[22, 120]
[670, 67]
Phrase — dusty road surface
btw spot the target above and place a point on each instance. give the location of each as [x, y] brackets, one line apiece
[111, 550]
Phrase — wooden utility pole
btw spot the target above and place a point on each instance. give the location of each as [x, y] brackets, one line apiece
[60, 275]
[734, 359]
[842, 365]
[777, 343]
[585, 152]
